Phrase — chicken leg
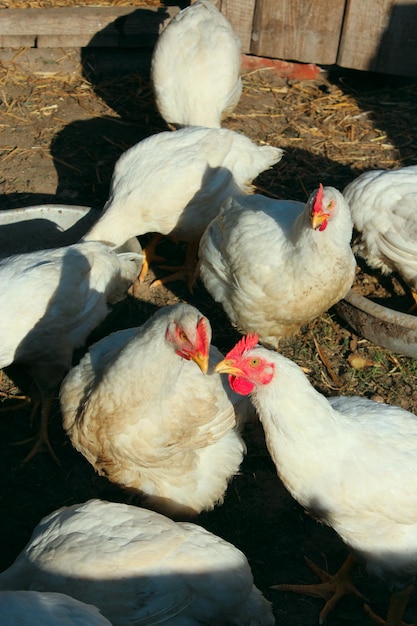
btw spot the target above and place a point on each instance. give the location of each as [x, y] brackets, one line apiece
[42, 438]
[413, 307]
[332, 588]
[149, 255]
[185, 272]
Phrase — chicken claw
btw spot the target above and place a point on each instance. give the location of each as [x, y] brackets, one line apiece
[332, 588]
[42, 438]
[186, 272]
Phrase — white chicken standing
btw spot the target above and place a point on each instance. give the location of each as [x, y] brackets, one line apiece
[351, 462]
[51, 301]
[140, 410]
[383, 204]
[173, 183]
[47, 608]
[195, 69]
[139, 567]
[275, 265]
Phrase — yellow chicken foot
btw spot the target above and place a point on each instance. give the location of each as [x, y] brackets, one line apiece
[184, 272]
[413, 307]
[332, 588]
[149, 256]
[396, 608]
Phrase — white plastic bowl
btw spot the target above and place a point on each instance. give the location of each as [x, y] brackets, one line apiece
[48, 226]
[43, 226]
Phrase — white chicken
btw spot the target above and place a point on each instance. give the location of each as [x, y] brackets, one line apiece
[51, 301]
[139, 567]
[383, 204]
[275, 265]
[47, 608]
[173, 183]
[143, 414]
[351, 462]
[195, 69]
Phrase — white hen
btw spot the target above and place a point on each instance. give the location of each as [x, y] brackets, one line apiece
[145, 416]
[195, 68]
[51, 301]
[349, 461]
[275, 265]
[173, 184]
[47, 608]
[139, 567]
[383, 204]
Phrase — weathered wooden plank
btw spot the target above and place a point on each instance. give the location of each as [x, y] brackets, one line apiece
[240, 15]
[81, 26]
[298, 30]
[59, 61]
[17, 41]
[80, 41]
[387, 42]
[379, 36]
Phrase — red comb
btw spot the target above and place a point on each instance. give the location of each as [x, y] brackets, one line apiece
[318, 201]
[246, 343]
[203, 336]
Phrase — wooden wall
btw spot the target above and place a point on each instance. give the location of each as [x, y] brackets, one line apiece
[379, 35]
[83, 26]
[298, 30]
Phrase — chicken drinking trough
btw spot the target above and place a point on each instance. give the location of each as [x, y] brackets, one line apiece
[43, 226]
[385, 327]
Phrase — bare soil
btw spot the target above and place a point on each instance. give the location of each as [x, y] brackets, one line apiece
[60, 137]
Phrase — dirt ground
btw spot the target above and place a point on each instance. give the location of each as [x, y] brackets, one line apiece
[60, 136]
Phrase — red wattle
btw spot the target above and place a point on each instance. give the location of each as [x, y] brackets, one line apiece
[241, 385]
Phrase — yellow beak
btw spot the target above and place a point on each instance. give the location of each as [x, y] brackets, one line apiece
[226, 367]
[317, 219]
[201, 360]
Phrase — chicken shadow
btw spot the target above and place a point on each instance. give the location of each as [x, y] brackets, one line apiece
[85, 151]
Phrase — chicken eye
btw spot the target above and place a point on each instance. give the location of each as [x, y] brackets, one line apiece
[183, 337]
[254, 362]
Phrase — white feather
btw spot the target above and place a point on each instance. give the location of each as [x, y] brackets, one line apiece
[139, 568]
